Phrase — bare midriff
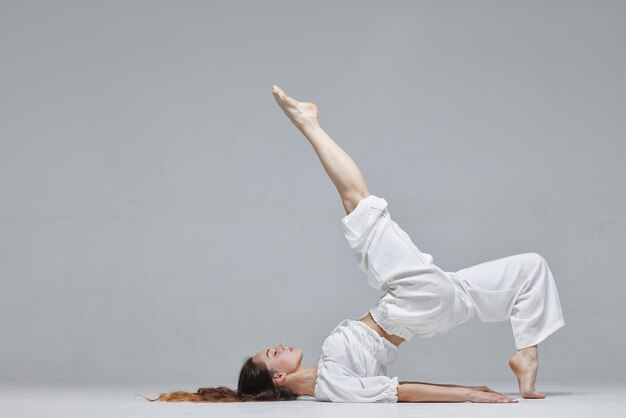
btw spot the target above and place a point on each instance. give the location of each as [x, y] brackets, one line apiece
[367, 319]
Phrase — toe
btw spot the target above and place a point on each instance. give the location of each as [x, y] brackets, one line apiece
[291, 100]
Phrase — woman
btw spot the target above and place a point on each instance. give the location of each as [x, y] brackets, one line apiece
[419, 299]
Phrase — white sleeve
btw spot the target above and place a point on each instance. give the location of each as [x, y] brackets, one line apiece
[341, 385]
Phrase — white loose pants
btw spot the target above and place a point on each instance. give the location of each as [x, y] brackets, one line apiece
[421, 299]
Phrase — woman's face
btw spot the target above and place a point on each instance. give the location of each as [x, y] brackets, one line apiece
[281, 358]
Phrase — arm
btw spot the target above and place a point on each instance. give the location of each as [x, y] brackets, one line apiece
[336, 383]
[437, 384]
[481, 388]
[420, 392]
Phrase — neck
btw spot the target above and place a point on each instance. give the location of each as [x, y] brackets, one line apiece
[302, 382]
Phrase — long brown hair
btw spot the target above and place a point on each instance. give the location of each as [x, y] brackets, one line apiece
[255, 384]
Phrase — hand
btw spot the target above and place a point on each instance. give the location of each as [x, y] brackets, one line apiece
[489, 396]
[483, 389]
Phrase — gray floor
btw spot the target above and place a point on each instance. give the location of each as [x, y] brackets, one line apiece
[598, 399]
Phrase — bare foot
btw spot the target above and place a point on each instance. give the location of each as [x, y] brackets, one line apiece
[524, 364]
[299, 113]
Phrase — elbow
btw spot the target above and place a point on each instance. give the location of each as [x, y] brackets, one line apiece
[402, 394]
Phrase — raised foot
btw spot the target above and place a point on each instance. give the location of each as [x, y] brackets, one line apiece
[299, 113]
[524, 364]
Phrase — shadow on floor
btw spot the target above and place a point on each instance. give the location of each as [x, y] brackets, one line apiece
[547, 393]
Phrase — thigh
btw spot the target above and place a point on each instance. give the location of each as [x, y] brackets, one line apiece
[500, 274]
[494, 285]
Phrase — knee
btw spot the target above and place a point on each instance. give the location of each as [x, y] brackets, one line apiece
[535, 258]
[535, 266]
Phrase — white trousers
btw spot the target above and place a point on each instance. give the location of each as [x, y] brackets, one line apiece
[422, 300]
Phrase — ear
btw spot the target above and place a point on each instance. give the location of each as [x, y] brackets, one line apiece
[279, 378]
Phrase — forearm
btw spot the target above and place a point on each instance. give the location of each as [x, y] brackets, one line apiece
[420, 392]
[436, 384]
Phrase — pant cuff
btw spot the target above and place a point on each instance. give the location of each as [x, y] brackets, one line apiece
[519, 344]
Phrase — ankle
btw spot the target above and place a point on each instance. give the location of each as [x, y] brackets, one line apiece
[308, 124]
[528, 350]
[527, 355]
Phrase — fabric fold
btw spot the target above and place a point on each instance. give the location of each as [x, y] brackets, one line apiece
[352, 367]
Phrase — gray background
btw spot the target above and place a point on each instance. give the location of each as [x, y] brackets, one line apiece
[161, 219]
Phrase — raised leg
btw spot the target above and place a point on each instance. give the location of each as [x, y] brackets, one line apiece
[339, 166]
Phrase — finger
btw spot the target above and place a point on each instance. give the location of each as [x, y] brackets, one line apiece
[507, 400]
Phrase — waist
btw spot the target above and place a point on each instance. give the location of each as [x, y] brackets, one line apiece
[369, 321]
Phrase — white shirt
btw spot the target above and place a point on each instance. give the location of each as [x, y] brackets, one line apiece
[353, 366]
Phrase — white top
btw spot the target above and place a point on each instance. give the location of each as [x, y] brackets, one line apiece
[353, 366]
